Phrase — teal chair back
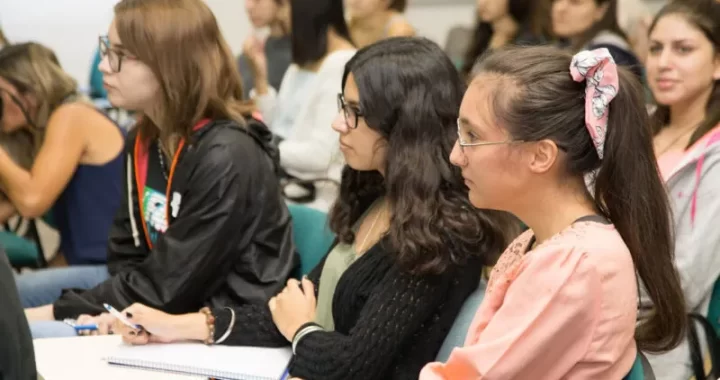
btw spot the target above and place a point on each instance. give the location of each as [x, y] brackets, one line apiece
[637, 372]
[312, 236]
[458, 331]
[714, 309]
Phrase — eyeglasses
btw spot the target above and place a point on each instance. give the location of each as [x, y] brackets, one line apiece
[465, 138]
[350, 113]
[115, 58]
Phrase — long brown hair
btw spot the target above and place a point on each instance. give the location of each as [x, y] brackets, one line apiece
[181, 43]
[34, 69]
[549, 104]
[410, 93]
[3, 39]
[705, 16]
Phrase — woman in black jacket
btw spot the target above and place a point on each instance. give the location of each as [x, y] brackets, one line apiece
[410, 245]
[202, 221]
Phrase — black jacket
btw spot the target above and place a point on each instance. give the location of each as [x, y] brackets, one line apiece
[17, 358]
[229, 237]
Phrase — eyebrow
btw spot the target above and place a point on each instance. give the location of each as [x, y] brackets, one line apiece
[352, 102]
[465, 122]
[682, 40]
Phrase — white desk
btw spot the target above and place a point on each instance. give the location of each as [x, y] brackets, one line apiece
[80, 358]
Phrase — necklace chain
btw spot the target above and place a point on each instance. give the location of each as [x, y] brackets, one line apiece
[161, 155]
[361, 248]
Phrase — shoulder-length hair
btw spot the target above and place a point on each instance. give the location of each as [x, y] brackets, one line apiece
[35, 70]
[310, 22]
[410, 93]
[181, 43]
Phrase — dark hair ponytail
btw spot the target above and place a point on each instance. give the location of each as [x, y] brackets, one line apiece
[549, 104]
[629, 191]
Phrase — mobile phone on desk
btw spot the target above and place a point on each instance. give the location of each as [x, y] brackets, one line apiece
[120, 317]
[78, 328]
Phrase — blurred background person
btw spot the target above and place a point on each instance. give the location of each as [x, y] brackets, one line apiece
[76, 168]
[593, 24]
[505, 22]
[272, 19]
[683, 68]
[373, 20]
[300, 112]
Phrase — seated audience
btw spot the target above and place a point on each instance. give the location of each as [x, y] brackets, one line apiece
[505, 22]
[275, 16]
[17, 359]
[300, 113]
[593, 24]
[202, 221]
[67, 159]
[410, 246]
[561, 302]
[373, 20]
[3, 40]
[683, 68]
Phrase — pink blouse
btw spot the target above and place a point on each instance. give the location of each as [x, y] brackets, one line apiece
[565, 310]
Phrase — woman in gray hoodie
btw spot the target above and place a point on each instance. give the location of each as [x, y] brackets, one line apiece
[683, 67]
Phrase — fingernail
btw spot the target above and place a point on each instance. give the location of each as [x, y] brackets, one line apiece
[128, 314]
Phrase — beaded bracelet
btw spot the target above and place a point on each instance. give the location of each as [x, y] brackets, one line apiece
[210, 319]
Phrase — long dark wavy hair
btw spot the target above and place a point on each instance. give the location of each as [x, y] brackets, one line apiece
[410, 93]
[544, 102]
[705, 16]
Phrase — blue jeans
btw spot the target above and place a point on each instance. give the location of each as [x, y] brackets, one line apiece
[51, 329]
[45, 286]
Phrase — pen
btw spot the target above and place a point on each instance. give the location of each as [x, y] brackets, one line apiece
[120, 317]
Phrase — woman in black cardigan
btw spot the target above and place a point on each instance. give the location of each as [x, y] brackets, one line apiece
[410, 246]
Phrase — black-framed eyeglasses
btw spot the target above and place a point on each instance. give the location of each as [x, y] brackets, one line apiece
[350, 113]
[115, 58]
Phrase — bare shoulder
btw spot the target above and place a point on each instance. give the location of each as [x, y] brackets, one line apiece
[78, 116]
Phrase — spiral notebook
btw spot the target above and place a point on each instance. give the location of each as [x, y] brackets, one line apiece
[220, 362]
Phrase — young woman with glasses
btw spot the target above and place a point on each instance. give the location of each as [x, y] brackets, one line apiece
[410, 247]
[202, 221]
[561, 302]
[62, 156]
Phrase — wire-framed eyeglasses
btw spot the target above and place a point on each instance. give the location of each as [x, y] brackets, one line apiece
[466, 137]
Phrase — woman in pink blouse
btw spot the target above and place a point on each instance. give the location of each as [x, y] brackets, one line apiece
[562, 300]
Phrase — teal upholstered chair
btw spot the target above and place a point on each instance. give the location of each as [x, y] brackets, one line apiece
[459, 329]
[25, 251]
[312, 236]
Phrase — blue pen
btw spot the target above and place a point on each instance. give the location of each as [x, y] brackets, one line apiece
[78, 328]
[286, 375]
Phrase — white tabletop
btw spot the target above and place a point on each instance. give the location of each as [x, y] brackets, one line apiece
[81, 358]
